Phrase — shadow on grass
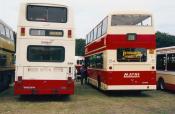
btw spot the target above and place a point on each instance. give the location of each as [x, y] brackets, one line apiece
[7, 93]
[168, 91]
[121, 93]
[44, 98]
[126, 94]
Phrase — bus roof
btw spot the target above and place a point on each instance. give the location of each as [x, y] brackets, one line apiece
[164, 48]
[44, 2]
[125, 12]
[2, 22]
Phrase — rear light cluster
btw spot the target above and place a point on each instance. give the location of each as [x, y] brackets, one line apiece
[19, 78]
[69, 80]
[69, 33]
[151, 51]
[23, 31]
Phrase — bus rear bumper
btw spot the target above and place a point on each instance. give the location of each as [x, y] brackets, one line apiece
[129, 87]
[44, 87]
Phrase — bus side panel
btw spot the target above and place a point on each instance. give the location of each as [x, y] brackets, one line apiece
[44, 87]
[169, 79]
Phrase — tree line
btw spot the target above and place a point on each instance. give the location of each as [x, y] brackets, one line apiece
[162, 39]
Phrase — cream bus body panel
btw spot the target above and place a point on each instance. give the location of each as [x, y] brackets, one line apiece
[24, 67]
[169, 77]
[123, 66]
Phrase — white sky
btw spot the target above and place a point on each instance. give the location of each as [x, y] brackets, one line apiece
[88, 13]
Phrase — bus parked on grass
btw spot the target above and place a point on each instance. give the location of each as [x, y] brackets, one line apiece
[45, 49]
[166, 68]
[7, 52]
[120, 52]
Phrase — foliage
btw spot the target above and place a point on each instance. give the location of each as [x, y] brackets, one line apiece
[80, 47]
[164, 40]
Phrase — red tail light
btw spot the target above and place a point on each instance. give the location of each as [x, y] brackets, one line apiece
[69, 80]
[22, 31]
[69, 33]
[19, 78]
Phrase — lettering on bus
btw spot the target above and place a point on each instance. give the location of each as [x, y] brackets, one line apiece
[132, 75]
[129, 54]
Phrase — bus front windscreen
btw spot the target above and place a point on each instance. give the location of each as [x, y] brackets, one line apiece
[47, 14]
[131, 55]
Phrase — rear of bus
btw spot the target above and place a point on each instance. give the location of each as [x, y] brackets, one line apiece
[131, 55]
[45, 50]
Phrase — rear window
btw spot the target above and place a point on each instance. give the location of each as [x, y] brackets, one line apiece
[46, 54]
[131, 55]
[161, 62]
[47, 14]
[131, 20]
[44, 32]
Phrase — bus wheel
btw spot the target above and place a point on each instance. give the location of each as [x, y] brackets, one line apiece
[161, 84]
[99, 83]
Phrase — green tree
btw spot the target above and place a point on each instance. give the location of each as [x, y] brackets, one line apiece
[164, 40]
[80, 47]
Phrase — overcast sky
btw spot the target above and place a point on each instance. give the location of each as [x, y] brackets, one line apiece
[88, 13]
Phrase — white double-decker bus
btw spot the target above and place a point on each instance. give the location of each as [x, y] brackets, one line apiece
[45, 49]
[166, 68]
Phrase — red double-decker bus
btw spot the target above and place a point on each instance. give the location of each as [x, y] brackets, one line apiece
[120, 52]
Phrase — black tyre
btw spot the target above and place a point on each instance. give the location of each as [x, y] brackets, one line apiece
[161, 84]
[99, 83]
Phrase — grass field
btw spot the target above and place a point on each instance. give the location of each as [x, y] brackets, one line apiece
[88, 100]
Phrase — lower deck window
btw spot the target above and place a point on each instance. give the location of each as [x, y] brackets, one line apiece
[171, 62]
[46, 54]
[131, 55]
[161, 62]
[95, 61]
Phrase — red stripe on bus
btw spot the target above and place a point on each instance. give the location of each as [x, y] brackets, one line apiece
[118, 78]
[112, 42]
[170, 86]
[43, 87]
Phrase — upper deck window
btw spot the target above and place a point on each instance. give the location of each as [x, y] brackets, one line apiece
[47, 14]
[131, 20]
[2, 30]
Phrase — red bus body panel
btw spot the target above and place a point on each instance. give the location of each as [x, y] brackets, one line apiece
[170, 86]
[44, 87]
[117, 77]
[112, 42]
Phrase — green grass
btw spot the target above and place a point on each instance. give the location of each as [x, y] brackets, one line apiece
[88, 100]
